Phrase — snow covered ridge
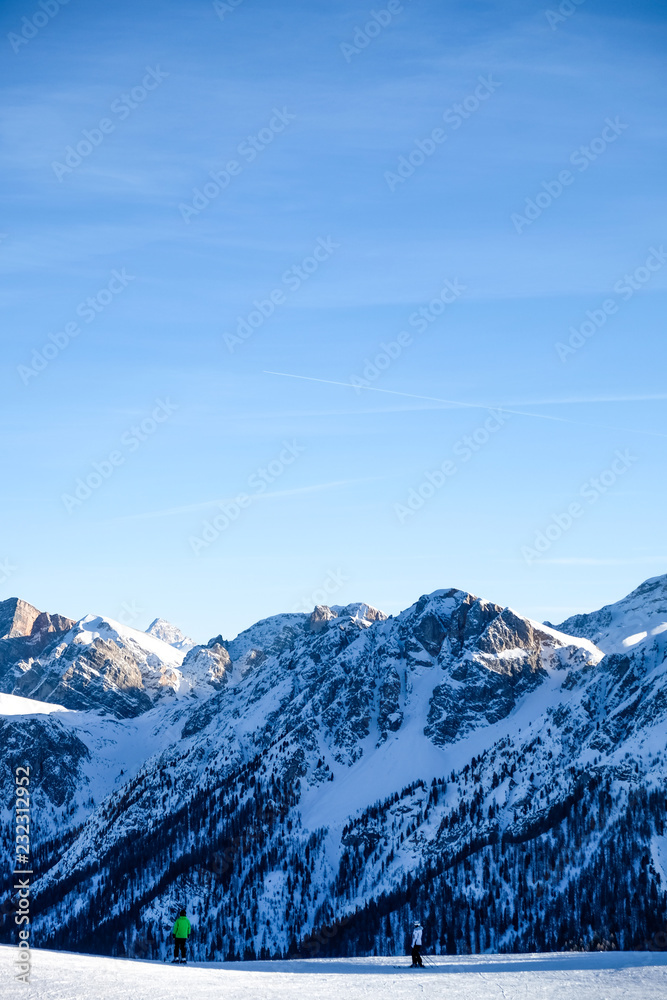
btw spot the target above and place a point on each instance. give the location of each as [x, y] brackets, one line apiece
[311, 786]
[635, 619]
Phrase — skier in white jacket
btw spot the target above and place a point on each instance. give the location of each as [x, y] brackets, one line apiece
[416, 945]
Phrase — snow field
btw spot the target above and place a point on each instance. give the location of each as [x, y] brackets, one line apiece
[14, 704]
[578, 976]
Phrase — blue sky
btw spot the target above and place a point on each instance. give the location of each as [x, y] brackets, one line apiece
[168, 93]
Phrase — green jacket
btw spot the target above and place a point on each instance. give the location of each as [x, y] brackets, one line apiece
[181, 927]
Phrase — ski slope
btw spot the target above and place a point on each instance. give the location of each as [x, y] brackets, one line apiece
[578, 976]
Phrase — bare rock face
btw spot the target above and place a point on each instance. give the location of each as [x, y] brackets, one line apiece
[24, 633]
[320, 616]
[46, 624]
[17, 618]
[361, 613]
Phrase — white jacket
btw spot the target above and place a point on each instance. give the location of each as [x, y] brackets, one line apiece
[417, 936]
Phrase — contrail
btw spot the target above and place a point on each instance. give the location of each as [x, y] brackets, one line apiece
[471, 406]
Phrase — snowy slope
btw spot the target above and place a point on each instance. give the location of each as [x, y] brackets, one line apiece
[502, 777]
[610, 976]
[633, 620]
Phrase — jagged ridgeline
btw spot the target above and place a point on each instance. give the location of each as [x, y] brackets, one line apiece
[313, 786]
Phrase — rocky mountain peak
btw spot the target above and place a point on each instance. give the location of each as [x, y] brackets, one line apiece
[17, 618]
[360, 613]
[320, 616]
[170, 634]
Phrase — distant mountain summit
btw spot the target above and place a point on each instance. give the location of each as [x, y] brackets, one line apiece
[169, 633]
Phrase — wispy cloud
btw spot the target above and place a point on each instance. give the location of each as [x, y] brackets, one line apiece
[205, 504]
[613, 398]
[594, 561]
[428, 406]
[453, 403]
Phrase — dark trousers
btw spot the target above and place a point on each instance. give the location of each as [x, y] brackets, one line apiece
[179, 946]
[416, 957]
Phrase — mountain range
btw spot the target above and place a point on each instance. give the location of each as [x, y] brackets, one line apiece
[313, 785]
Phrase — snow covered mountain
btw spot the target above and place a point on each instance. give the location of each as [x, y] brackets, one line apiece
[164, 630]
[98, 663]
[310, 785]
[634, 620]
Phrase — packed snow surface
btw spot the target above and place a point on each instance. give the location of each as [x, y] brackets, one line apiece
[578, 976]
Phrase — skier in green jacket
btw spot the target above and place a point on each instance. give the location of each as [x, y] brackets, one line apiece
[181, 931]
